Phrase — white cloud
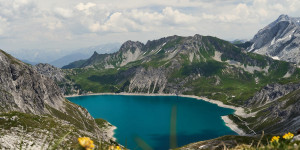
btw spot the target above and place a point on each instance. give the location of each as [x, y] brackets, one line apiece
[79, 24]
[66, 13]
[85, 7]
[176, 17]
[3, 25]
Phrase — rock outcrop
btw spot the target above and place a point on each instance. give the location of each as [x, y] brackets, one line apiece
[25, 90]
[50, 71]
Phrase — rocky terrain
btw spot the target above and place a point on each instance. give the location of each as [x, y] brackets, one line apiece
[58, 75]
[280, 39]
[50, 71]
[276, 108]
[32, 105]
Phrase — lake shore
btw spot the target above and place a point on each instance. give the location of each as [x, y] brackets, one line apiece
[228, 122]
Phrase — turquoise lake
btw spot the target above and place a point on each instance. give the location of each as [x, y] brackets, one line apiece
[148, 118]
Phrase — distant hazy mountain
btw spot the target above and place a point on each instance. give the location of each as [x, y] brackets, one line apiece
[29, 62]
[84, 53]
[60, 58]
[280, 39]
[69, 58]
[238, 41]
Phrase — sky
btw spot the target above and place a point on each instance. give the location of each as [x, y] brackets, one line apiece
[56, 25]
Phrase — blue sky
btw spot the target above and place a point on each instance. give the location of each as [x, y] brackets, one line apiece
[55, 25]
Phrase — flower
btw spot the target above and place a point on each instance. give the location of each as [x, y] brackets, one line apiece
[275, 139]
[118, 148]
[86, 143]
[114, 148]
[288, 136]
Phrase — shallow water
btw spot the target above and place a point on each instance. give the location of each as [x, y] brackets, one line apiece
[148, 118]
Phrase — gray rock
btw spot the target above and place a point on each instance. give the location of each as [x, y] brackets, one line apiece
[50, 71]
[277, 109]
[280, 39]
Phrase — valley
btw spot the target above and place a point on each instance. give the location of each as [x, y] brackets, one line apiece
[259, 78]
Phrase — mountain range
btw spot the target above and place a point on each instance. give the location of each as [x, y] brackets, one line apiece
[59, 58]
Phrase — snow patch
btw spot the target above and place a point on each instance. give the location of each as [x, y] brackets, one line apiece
[252, 48]
[273, 41]
[275, 58]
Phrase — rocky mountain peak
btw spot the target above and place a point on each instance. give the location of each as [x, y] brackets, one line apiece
[95, 53]
[283, 17]
[280, 39]
[131, 45]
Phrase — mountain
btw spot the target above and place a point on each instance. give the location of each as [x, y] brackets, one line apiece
[280, 39]
[59, 57]
[29, 62]
[68, 59]
[108, 60]
[277, 101]
[32, 106]
[195, 65]
[84, 53]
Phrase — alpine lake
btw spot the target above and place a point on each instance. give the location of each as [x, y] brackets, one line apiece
[157, 121]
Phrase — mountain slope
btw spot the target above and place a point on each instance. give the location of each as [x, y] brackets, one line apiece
[276, 108]
[195, 65]
[280, 39]
[24, 93]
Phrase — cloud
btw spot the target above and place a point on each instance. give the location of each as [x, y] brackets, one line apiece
[66, 13]
[69, 24]
[3, 25]
[172, 16]
[139, 20]
[85, 7]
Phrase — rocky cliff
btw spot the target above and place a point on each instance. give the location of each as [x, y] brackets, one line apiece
[280, 39]
[32, 104]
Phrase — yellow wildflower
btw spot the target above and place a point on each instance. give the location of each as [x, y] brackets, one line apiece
[114, 148]
[288, 136]
[275, 139]
[86, 143]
